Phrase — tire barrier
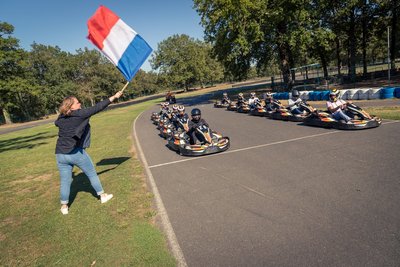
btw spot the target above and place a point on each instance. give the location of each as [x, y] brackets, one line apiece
[374, 93]
[363, 94]
[304, 95]
[343, 94]
[325, 95]
[387, 92]
[352, 94]
[397, 92]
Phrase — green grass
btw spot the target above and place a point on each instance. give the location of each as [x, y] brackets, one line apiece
[121, 232]
[389, 113]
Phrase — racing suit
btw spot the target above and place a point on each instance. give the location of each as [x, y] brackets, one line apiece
[193, 134]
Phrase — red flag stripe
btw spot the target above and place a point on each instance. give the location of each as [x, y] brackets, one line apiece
[100, 25]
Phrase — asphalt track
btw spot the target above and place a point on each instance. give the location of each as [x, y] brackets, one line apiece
[284, 194]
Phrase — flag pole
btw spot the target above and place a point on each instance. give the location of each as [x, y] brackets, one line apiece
[125, 86]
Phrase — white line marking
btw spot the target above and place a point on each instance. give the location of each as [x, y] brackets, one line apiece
[243, 149]
[169, 231]
[253, 147]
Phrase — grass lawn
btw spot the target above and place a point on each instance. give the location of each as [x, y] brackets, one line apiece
[390, 113]
[121, 232]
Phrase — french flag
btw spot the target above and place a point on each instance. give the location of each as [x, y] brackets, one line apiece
[126, 49]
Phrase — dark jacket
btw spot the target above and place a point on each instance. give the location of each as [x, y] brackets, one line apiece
[192, 130]
[74, 129]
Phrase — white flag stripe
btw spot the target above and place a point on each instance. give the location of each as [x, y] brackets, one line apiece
[119, 38]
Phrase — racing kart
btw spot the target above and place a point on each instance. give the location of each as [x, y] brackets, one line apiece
[243, 107]
[155, 117]
[170, 98]
[280, 112]
[232, 106]
[308, 109]
[221, 104]
[362, 120]
[210, 142]
[259, 110]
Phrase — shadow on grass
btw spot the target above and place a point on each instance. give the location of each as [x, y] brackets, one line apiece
[25, 142]
[81, 183]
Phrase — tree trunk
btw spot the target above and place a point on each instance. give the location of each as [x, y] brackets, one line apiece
[339, 62]
[364, 38]
[284, 56]
[352, 47]
[393, 48]
[6, 116]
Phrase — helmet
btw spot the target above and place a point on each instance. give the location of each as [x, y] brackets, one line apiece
[181, 108]
[195, 112]
[240, 95]
[268, 95]
[295, 93]
[225, 94]
[334, 92]
[166, 104]
[175, 107]
[196, 115]
[252, 94]
[162, 104]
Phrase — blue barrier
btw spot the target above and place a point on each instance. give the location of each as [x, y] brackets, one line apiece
[387, 92]
[325, 95]
[397, 92]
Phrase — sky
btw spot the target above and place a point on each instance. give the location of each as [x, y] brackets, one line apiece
[63, 23]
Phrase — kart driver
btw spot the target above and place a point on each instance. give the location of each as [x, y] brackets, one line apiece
[253, 100]
[240, 100]
[337, 106]
[194, 123]
[294, 103]
[181, 120]
[225, 99]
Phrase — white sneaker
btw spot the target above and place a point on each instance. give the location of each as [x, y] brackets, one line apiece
[106, 198]
[64, 211]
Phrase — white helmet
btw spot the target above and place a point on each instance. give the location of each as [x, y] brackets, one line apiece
[252, 94]
[181, 108]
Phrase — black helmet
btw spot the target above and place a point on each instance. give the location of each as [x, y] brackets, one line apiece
[295, 93]
[195, 112]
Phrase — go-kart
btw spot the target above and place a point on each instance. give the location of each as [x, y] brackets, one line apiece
[258, 110]
[280, 112]
[210, 142]
[232, 106]
[307, 110]
[243, 107]
[362, 120]
[166, 128]
[155, 118]
[221, 104]
[170, 98]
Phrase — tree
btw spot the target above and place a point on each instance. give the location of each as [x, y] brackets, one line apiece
[183, 61]
[250, 32]
[11, 60]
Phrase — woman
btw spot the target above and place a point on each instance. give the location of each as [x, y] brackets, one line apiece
[73, 138]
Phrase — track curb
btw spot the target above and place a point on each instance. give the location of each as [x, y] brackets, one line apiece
[161, 211]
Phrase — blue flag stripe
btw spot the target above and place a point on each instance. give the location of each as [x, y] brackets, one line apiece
[133, 57]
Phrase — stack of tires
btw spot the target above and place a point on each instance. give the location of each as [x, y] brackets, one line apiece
[374, 93]
[397, 92]
[363, 94]
[387, 92]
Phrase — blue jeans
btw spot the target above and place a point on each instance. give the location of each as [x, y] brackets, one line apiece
[340, 115]
[66, 162]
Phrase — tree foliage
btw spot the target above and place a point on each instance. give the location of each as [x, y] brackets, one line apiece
[33, 84]
[185, 62]
[246, 33]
